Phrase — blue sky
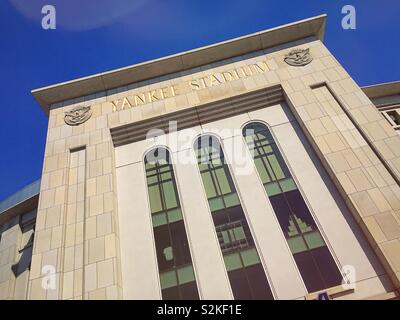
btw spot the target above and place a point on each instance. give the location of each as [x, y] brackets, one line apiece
[99, 35]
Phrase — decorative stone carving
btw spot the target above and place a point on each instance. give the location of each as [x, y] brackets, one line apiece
[298, 57]
[78, 115]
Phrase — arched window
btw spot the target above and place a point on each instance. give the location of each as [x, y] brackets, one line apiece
[313, 258]
[173, 254]
[246, 274]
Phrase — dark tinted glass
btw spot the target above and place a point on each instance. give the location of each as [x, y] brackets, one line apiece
[327, 266]
[282, 211]
[171, 294]
[299, 208]
[240, 285]
[180, 243]
[256, 278]
[163, 248]
[309, 271]
[189, 291]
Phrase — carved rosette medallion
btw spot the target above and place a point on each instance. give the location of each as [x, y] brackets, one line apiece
[298, 57]
[78, 115]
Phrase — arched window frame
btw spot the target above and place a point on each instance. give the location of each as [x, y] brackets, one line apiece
[179, 205]
[240, 203]
[298, 185]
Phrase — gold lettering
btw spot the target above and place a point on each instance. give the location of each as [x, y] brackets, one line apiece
[164, 92]
[194, 85]
[115, 105]
[249, 69]
[174, 90]
[257, 68]
[152, 95]
[203, 81]
[264, 63]
[236, 74]
[214, 80]
[242, 71]
[139, 99]
[227, 76]
[125, 102]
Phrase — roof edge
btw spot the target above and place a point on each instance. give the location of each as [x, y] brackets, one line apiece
[382, 89]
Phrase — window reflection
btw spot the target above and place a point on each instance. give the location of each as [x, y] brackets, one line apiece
[172, 247]
[314, 261]
[246, 274]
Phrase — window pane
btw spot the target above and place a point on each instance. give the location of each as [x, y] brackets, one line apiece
[225, 237]
[165, 176]
[287, 185]
[236, 214]
[232, 261]
[223, 181]
[240, 285]
[258, 282]
[189, 291]
[159, 219]
[185, 274]
[216, 204]
[171, 293]
[231, 200]
[267, 149]
[327, 266]
[208, 185]
[180, 243]
[309, 271]
[220, 217]
[297, 244]
[262, 170]
[174, 215]
[163, 242]
[152, 179]
[168, 279]
[155, 199]
[314, 240]
[299, 207]
[278, 172]
[239, 233]
[269, 168]
[303, 226]
[202, 166]
[169, 194]
[149, 166]
[282, 212]
[250, 257]
[272, 189]
[292, 228]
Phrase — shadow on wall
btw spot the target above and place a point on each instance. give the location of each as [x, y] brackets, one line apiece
[334, 192]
